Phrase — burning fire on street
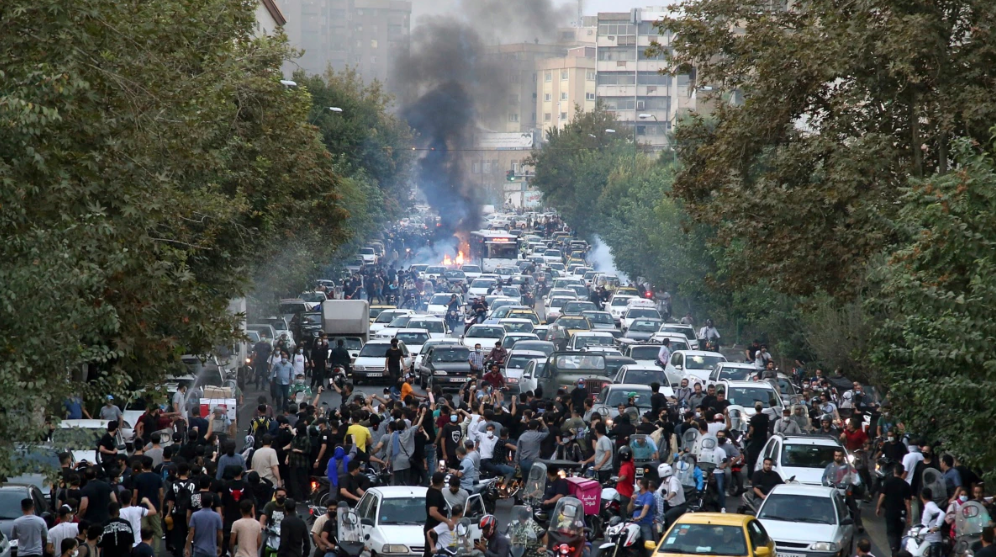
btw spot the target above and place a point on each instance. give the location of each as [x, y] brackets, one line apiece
[454, 262]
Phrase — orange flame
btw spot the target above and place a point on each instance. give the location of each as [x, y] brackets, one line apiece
[459, 258]
[447, 261]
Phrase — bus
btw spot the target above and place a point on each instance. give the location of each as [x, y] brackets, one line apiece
[493, 248]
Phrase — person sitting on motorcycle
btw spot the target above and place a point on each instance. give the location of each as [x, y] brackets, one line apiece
[495, 377]
[670, 497]
[641, 509]
[480, 309]
[300, 386]
[763, 481]
[453, 305]
[841, 474]
[498, 354]
[557, 336]
[526, 533]
[339, 356]
[445, 542]
[497, 545]
[556, 488]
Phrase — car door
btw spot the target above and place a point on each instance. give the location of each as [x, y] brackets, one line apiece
[760, 543]
[425, 367]
[845, 523]
[547, 377]
[366, 515]
[474, 511]
[527, 382]
[675, 367]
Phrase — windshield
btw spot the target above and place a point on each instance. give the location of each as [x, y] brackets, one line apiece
[552, 253]
[416, 339]
[409, 512]
[593, 362]
[515, 327]
[618, 301]
[313, 297]
[645, 376]
[573, 323]
[486, 332]
[683, 331]
[705, 539]
[10, 503]
[435, 270]
[77, 437]
[584, 342]
[621, 396]
[376, 350]
[447, 354]
[38, 460]
[560, 302]
[349, 343]
[747, 396]
[537, 345]
[454, 275]
[599, 317]
[386, 317]
[440, 299]
[431, 326]
[644, 352]
[366, 251]
[807, 456]
[471, 269]
[798, 508]
[483, 283]
[517, 362]
[400, 321]
[575, 308]
[735, 373]
[311, 319]
[278, 324]
[702, 362]
[639, 312]
[253, 336]
[644, 326]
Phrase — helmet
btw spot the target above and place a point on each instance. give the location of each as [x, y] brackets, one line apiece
[625, 454]
[664, 471]
[488, 524]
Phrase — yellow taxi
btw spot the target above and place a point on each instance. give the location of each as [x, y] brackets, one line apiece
[628, 290]
[716, 535]
[524, 314]
[377, 310]
[573, 324]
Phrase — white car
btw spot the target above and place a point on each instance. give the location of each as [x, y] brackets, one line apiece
[434, 325]
[634, 313]
[434, 272]
[678, 342]
[587, 340]
[368, 255]
[485, 335]
[369, 364]
[396, 324]
[385, 318]
[646, 355]
[516, 364]
[480, 286]
[561, 293]
[685, 330]
[420, 358]
[516, 325]
[439, 302]
[553, 256]
[618, 307]
[472, 271]
[554, 307]
[528, 381]
[87, 433]
[731, 371]
[807, 520]
[747, 393]
[509, 340]
[694, 365]
[413, 339]
[804, 456]
[392, 518]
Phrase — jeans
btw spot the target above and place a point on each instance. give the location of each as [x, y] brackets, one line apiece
[720, 489]
[525, 465]
[648, 532]
[402, 477]
[280, 396]
[894, 526]
[489, 465]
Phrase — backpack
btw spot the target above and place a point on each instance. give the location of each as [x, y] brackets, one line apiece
[183, 491]
[259, 426]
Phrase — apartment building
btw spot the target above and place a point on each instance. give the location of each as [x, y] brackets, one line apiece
[380, 33]
[564, 84]
[519, 62]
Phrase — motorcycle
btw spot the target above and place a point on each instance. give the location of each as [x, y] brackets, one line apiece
[971, 518]
[349, 539]
[463, 545]
[524, 534]
[272, 540]
[566, 533]
[624, 536]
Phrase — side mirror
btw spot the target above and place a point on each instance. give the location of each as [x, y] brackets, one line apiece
[848, 521]
[678, 366]
[762, 551]
[366, 522]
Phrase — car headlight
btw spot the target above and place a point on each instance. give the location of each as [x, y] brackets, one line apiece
[394, 548]
[826, 546]
[439, 372]
[359, 368]
[511, 379]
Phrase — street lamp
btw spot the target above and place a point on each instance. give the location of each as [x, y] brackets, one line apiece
[610, 131]
[335, 109]
[288, 83]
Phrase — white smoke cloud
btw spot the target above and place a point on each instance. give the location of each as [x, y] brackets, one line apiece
[601, 259]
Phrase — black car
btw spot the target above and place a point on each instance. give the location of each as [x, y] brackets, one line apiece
[446, 365]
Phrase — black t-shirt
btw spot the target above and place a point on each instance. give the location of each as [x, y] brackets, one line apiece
[351, 484]
[968, 477]
[142, 550]
[657, 403]
[988, 551]
[622, 429]
[577, 398]
[232, 495]
[394, 356]
[506, 419]
[117, 539]
[196, 497]
[894, 451]
[766, 481]
[433, 498]
[720, 406]
[179, 493]
[759, 422]
[98, 494]
[323, 438]
[896, 492]
[549, 443]
[453, 435]
[107, 442]
[646, 428]
[201, 424]
[556, 487]
[709, 401]
[148, 484]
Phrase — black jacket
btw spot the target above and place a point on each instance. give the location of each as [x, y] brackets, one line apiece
[295, 540]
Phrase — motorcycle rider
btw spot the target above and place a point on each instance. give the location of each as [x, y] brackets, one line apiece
[641, 508]
[495, 377]
[671, 497]
[339, 357]
[498, 354]
[841, 473]
[762, 482]
[497, 544]
[526, 533]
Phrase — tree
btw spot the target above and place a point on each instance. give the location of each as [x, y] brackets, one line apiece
[151, 164]
[934, 344]
[802, 175]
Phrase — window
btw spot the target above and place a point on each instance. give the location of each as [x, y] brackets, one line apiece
[623, 53]
[486, 167]
[546, 117]
[590, 75]
[758, 537]
[513, 98]
[563, 95]
[373, 43]
[589, 96]
[641, 130]
[564, 75]
[563, 115]
[548, 77]
[547, 97]
[475, 168]
[513, 117]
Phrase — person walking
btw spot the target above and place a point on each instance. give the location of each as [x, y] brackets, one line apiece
[30, 531]
[281, 376]
[205, 530]
[895, 499]
[295, 540]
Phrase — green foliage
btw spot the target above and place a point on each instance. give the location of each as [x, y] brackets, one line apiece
[151, 165]
[935, 343]
[841, 102]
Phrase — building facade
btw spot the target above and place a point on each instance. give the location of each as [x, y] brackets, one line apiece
[269, 18]
[564, 85]
[381, 32]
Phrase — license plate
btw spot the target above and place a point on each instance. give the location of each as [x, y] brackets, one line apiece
[781, 554]
[456, 379]
[375, 375]
[639, 472]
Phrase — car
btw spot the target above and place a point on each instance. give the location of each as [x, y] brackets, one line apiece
[419, 269]
[420, 359]
[496, 301]
[686, 330]
[506, 271]
[385, 317]
[311, 326]
[439, 302]
[511, 339]
[313, 300]
[540, 331]
[396, 324]
[281, 327]
[11, 495]
[524, 313]
[726, 534]
[531, 374]
[554, 307]
[678, 342]
[413, 338]
[747, 393]
[641, 375]
[499, 313]
[644, 354]
[369, 364]
[516, 364]
[642, 329]
[485, 335]
[611, 396]
[435, 326]
[434, 272]
[573, 324]
[543, 346]
[599, 319]
[560, 293]
[731, 371]
[471, 271]
[808, 521]
[634, 313]
[586, 340]
[393, 517]
[553, 256]
[480, 286]
[613, 362]
[368, 255]
[80, 437]
[264, 330]
[513, 325]
[803, 457]
[578, 307]
[617, 306]
[695, 365]
[446, 366]
[354, 265]
[39, 461]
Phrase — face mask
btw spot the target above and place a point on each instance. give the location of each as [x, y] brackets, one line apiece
[299, 382]
[478, 350]
[891, 439]
[330, 513]
[453, 419]
[283, 359]
[280, 500]
[698, 414]
[722, 441]
[75, 553]
[491, 435]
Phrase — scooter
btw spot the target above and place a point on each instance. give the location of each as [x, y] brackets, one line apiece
[566, 532]
[349, 539]
[625, 538]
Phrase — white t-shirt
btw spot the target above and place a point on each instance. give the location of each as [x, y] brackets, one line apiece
[719, 456]
[716, 427]
[910, 461]
[487, 446]
[179, 402]
[446, 537]
[133, 515]
[674, 486]
[62, 531]
[932, 517]
[298, 364]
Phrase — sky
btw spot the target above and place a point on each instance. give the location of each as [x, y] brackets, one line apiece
[591, 7]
